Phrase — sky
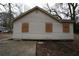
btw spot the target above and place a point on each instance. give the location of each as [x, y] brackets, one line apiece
[33, 3]
[41, 3]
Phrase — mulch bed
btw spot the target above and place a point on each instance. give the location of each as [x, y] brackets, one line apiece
[58, 48]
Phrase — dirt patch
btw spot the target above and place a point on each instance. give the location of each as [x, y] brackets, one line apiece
[5, 35]
[58, 48]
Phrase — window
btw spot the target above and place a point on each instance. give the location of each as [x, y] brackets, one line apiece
[65, 27]
[25, 27]
[48, 27]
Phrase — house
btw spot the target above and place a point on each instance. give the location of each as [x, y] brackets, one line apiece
[37, 24]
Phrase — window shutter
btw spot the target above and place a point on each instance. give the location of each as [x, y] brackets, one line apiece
[66, 27]
[48, 27]
[25, 27]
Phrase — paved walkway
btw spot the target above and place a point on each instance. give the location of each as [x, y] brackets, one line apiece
[17, 48]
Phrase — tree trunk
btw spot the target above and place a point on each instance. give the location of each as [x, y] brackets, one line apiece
[74, 25]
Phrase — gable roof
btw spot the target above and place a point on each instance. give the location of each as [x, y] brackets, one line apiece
[44, 11]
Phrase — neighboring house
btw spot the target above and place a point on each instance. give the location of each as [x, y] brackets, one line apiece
[3, 29]
[37, 24]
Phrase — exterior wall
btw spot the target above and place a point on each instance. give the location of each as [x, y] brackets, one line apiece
[37, 21]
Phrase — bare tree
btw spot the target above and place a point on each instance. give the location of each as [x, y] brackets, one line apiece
[72, 12]
[8, 14]
[69, 10]
[52, 11]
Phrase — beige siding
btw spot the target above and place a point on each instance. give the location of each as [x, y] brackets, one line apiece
[37, 21]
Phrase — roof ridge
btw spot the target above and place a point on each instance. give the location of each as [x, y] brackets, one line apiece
[42, 10]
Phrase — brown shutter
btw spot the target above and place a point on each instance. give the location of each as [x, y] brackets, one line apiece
[25, 27]
[66, 27]
[49, 27]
